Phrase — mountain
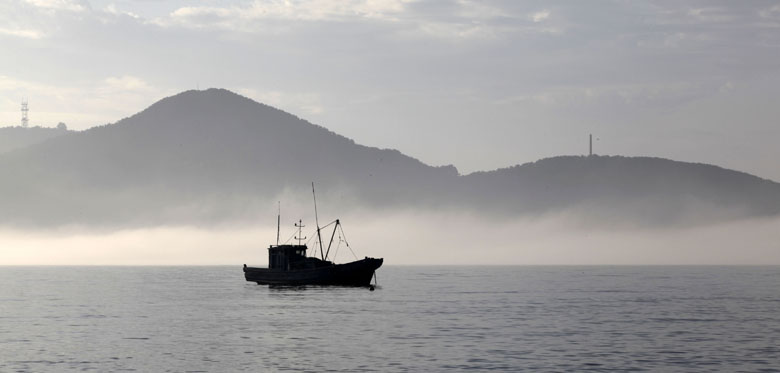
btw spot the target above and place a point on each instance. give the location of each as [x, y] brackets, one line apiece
[627, 189]
[202, 157]
[198, 156]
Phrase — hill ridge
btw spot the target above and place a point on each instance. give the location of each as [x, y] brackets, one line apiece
[214, 155]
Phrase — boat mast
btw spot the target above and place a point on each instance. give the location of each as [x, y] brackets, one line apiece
[278, 220]
[317, 221]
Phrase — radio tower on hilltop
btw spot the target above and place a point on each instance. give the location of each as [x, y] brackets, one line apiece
[25, 109]
[590, 145]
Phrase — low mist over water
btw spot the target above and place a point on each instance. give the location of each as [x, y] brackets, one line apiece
[408, 238]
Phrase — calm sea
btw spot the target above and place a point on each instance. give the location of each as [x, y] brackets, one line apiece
[207, 319]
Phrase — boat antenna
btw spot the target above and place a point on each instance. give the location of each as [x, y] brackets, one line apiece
[278, 220]
[299, 225]
[317, 221]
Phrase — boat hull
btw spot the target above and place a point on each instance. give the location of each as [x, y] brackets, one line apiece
[357, 273]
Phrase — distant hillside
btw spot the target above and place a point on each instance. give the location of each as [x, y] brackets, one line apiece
[633, 189]
[213, 156]
[12, 138]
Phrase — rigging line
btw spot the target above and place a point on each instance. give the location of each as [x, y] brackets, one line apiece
[346, 242]
[312, 236]
[288, 240]
[335, 254]
[321, 228]
[315, 245]
[343, 234]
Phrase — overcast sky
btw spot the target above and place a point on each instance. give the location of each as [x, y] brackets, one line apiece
[478, 84]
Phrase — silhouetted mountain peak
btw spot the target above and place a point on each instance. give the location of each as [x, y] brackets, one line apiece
[209, 97]
[204, 100]
[209, 108]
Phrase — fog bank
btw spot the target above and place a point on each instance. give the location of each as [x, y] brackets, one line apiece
[410, 238]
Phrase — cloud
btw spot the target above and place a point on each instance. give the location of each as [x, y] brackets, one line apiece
[711, 14]
[22, 33]
[465, 20]
[113, 10]
[636, 95]
[540, 16]
[771, 12]
[450, 31]
[479, 10]
[66, 5]
[127, 83]
[244, 18]
[10, 85]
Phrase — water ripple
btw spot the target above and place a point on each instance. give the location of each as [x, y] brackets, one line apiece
[556, 319]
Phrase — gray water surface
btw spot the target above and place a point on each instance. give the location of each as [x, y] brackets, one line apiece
[208, 319]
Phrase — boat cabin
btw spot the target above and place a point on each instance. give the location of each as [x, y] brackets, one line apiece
[290, 257]
[283, 256]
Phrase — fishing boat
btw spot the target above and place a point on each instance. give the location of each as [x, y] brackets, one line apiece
[289, 264]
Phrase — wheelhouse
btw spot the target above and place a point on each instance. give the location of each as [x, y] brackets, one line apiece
[283, 257]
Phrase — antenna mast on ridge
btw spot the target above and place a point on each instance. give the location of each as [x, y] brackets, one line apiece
[25, 109]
